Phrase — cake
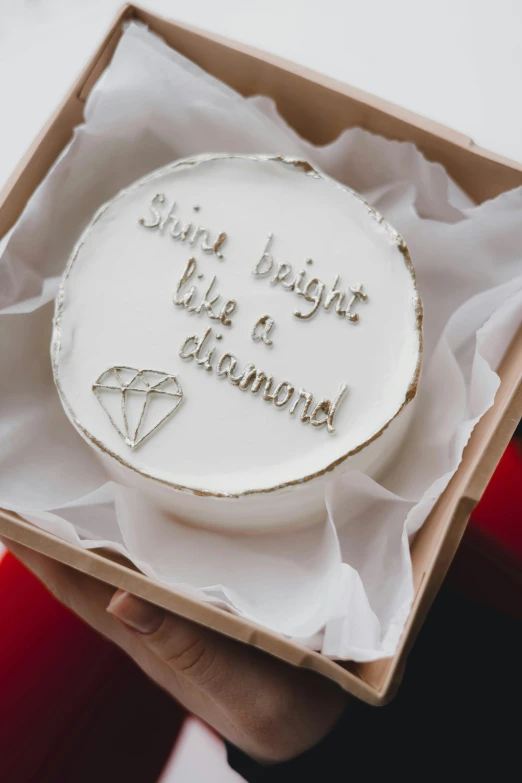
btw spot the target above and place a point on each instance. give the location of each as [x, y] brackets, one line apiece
[233, 331]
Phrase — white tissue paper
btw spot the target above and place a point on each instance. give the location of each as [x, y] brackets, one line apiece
[344, 588]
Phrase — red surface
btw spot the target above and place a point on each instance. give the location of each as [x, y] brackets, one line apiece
[488, 564]
[116, 725]
[499, 513]
[73, 708]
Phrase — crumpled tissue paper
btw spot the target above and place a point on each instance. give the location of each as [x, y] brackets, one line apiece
[344, 588]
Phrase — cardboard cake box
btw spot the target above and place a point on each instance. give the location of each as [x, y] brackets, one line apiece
[319, 108]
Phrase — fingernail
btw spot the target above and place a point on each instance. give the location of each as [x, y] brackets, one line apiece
[135, 613]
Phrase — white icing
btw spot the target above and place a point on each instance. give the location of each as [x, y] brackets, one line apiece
[117, 309]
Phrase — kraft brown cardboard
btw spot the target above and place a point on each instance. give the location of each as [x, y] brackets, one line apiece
[319, 108]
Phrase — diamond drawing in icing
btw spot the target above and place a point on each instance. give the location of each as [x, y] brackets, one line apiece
[137, 402]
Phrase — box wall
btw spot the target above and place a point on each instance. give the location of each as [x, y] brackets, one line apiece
[320, 109]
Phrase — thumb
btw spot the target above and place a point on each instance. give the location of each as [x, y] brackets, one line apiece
[271, 710]
[189, 650]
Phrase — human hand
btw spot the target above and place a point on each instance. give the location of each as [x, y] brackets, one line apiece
[269, 709]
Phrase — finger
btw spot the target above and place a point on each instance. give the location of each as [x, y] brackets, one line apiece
[189, 649]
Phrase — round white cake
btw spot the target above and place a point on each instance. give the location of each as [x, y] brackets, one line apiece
[231, 332]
